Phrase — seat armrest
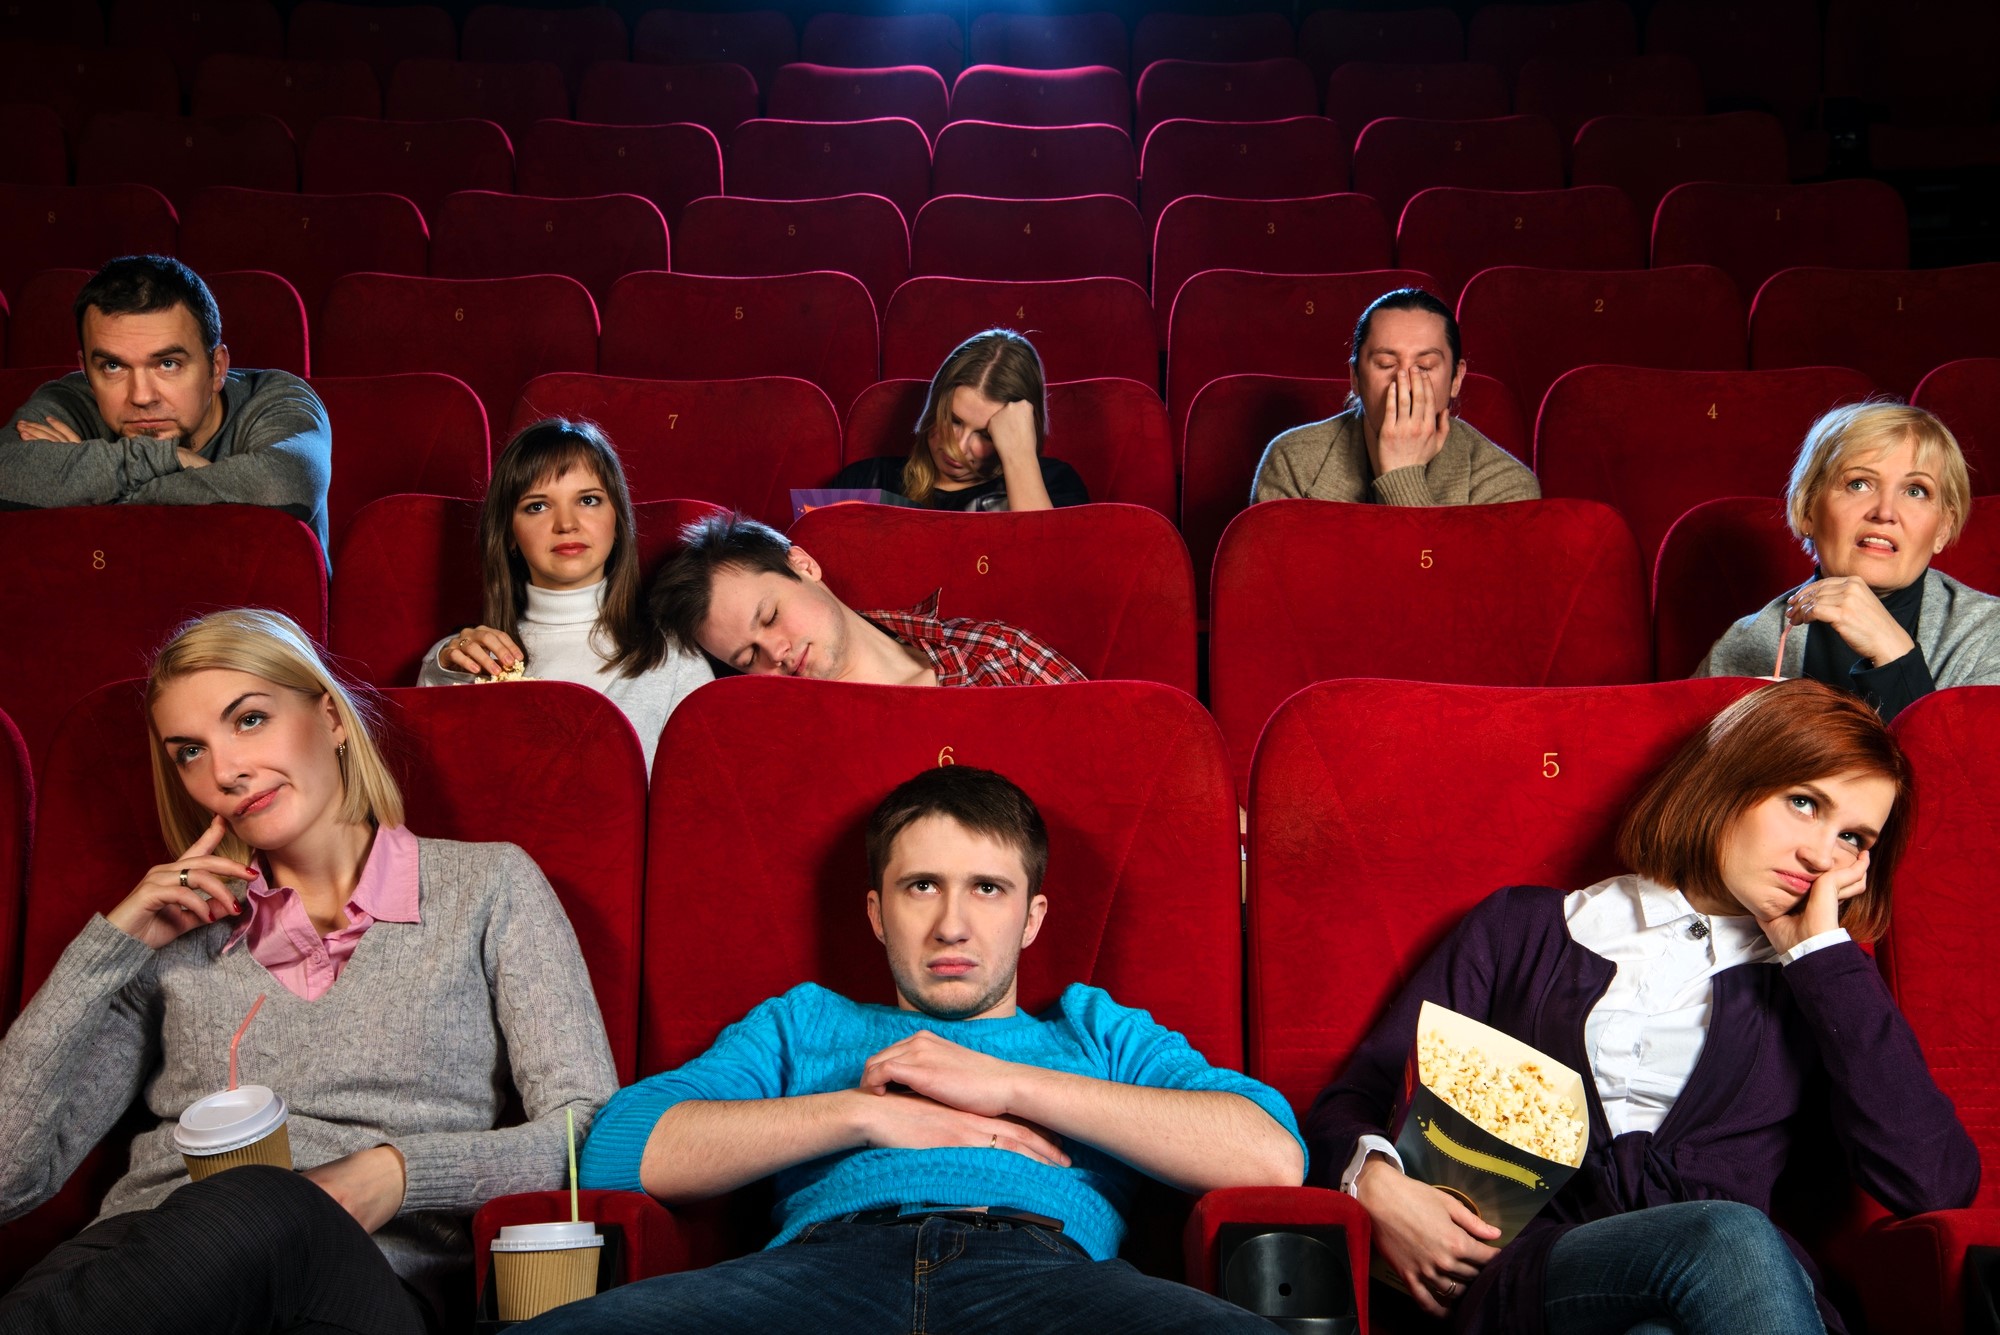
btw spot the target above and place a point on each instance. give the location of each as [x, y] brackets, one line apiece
[1910, 1273]
[1276, 1208]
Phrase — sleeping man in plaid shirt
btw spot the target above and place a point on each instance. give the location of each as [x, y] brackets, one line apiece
[742, 593]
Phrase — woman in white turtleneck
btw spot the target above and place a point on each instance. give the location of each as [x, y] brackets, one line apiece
[563, 585]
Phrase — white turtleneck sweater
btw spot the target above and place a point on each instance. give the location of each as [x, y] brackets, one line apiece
[556, 632]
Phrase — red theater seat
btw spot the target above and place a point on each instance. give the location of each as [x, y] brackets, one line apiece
[1050, 41]
[1086, 95]
[743, 444]
[1965, 394]
[1919, 67]
[1133, 620]
[1721, 561]
[1330, 38]
[135, 568]
[1532, 593]
[572, 39]
[1653, 444]
[320, 30]
[803, 92]
[1508, 36]
[618, 92]
[861, 235]
[41, 323]
[32, 148]
[423, 161]
[668, 164]
[1397, 156]
[179, 155]
[264, 321]
[1531, 325]
[17, 823]
[188, 31]
[1316, 234]
[416, 432]
[17, 383]
[1090, 236]
[1034, 162]
[597, 240]
[1765, 56]
[873, 41]
[1211, 89]
[759, 40]
[1255, 36]
[1082, 327]
[310, 239]
[1646, 156]
[1452, 234]
[778, 159]
[80, 82]
[298, 92]
[1361, 91]
[815, 326]
[1893, 324]
[511, 94]
[79, 227]
[1570, 94]
[1753, 231]
[1306, 155]
[495, 334]
[1112, 431]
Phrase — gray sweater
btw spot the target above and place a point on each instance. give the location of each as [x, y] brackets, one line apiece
[274, 448]
[418, 1044]
[1328, 461]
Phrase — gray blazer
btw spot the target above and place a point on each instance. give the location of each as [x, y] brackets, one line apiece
[1958, 629]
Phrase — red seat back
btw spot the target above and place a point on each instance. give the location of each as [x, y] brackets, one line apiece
[815, 326]
[617, 92]
[758, 40]
[806, 92]
[179, 155]
[781, 159]
[79, 227]
[1570, 93]
[263, 321]
[860, 235]
[1452, 233]
[1533, 593]
[1752, 231]
[1050, 41]
[41, 320]
[1765, 55]
[1895, 325]
[1646, 156]
[1212, 89]
[298, 92]
[1397, 156]
[1720, 562]
[1361, 91]
[1316, 234]
[80, 82]
[743, 444]
[1531, 325]
[1094, 93]
[1508, 36]
[872, 41]
[668, 164]
[17, 825]
[1224, 36]
[1082, 327]
[1090, 236]
[189, 31]
[421, 161]
[1330, 38]
[1305, 155]
[420, 431]
[571, 39]
[323, 30]
[1034, 162]
[1132, 620]
[32, 148]
[511, 94]
[308, 239]
[595, 240]
[1965, 394]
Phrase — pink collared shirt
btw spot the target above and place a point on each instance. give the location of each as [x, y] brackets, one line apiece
[281, 934]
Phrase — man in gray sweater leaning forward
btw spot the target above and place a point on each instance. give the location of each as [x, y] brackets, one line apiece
[156, 416]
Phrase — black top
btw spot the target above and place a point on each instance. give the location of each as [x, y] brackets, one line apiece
[885, 473]
[1891, 688]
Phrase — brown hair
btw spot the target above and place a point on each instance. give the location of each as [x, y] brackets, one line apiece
[1864, 428]
[978, 799]
[681, 593]
[1777, 736]
[999, 364]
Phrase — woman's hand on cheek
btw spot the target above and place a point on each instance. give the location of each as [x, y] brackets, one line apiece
[1012, 431]
[1820, 910]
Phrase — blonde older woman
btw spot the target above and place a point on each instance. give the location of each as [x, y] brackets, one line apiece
[1878, 490]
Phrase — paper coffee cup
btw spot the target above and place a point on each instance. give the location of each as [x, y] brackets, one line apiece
[234, 1127]
[540, 1266]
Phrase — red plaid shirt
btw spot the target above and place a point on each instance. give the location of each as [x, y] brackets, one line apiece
[965, 652]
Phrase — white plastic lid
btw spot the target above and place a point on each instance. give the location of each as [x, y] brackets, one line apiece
[229, 1120]
[547, 1237]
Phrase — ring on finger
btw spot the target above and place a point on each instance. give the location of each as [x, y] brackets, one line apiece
[184, 878]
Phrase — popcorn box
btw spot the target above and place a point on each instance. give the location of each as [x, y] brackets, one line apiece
[1482, 1083]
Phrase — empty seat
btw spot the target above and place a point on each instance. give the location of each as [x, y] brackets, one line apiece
[320, 30]
[759, 40]
[1212, 89]
[298, 92]
[805, 92]
[495, 334]
[1570, 93]
[1256, 36]
[82, 82]
[617, 92]
[1133, 620]
[1113, 432]
[1895, 325]
[1306, 155]
[668, 164]
[1532, 593]
[41, 324]
[1531, 325]
[513, 94]
[178, 155]
[1653, 444]
[1361, 91]
[596, 240]
[264, 321]
[1316, 234]
[1397, 156]
[415, 432]
[79, 227]
[571, 39]
[309, 239]
[1452, 233]
[1086, 95]
[1508, 36]
[1082, 327]
[1763, 57]
[872, 41]
[706, 440]
[1050, 41]
[17, 383]
[815, 326]
[1330, 38]
[862, 235]
[1965, 394]
[1646, 156]
[421, 161]
[1752, 231]
[1090, 236]
[189, 31]
[32, 148]
[1034, 162]
[778, 159]
[1721, 561]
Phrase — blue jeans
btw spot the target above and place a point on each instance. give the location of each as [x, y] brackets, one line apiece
[1695, 1268]
[926, 1274]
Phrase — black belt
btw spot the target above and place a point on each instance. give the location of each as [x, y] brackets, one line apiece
[986, 1217]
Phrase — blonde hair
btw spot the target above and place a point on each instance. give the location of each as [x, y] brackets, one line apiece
[269, 645]
[1863, 428]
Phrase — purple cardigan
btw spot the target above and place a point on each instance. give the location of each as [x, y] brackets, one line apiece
[1819, 1033]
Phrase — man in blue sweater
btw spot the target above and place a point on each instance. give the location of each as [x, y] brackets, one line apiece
[950, 1163]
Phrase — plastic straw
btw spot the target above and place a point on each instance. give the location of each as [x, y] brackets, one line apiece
[255, 1006]
[570, 1114]
[1778, 671]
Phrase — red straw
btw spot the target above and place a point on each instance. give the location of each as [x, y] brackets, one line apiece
[1778, 672]
[255, 1006]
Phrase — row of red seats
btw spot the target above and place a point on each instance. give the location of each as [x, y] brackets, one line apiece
[1519, 787]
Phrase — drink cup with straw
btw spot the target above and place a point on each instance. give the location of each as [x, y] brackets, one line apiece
[540, 1266]
[243, 1124]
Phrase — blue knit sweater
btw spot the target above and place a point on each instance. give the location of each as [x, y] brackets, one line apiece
[812, 1041]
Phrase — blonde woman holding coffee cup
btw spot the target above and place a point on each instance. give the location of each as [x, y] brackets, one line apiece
[411, 987]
